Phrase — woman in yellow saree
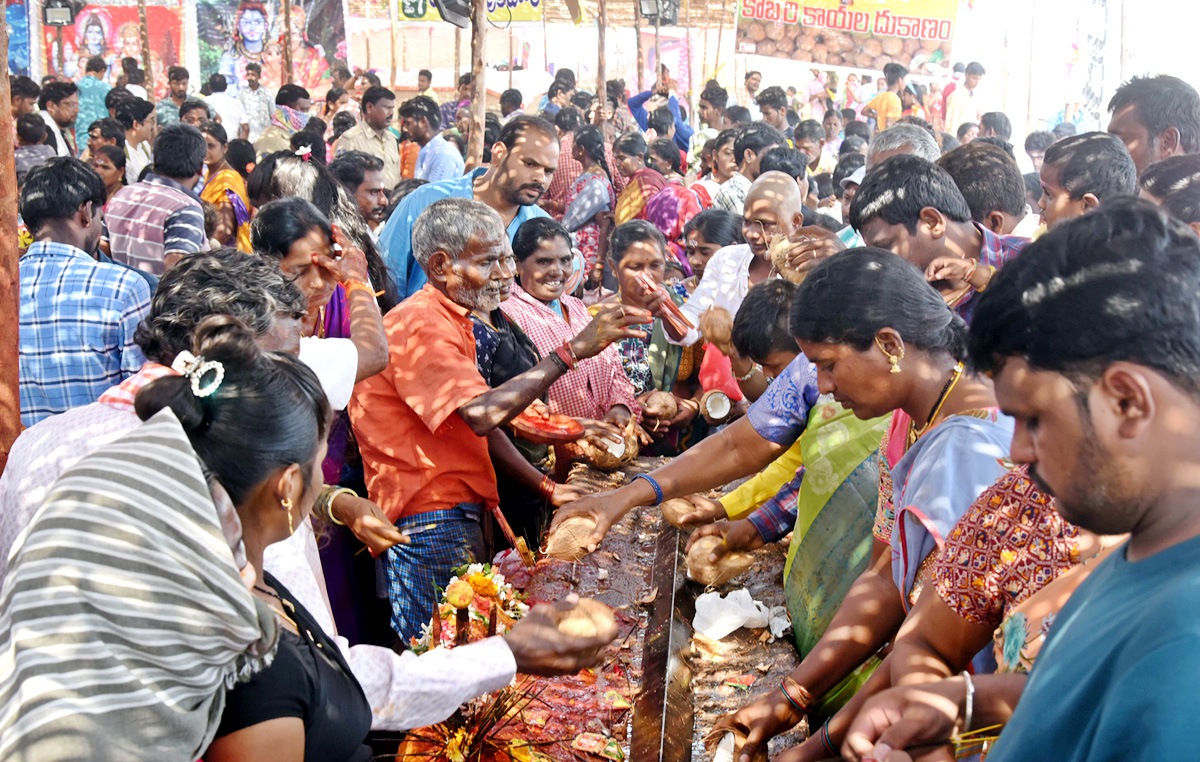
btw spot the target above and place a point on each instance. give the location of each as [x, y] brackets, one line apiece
[226, 190]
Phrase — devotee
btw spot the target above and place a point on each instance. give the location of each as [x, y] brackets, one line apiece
[140, 123]
[885, 108]
[711, 111]
[903, 139]
[772, 103]
[77, 315]
[31, 149]
[422, 423]
[597, 390]
[1156, 117]
[109, 163]
[750, 144]
[913, 209]
[23, 95]
[257, 102]
[167, 109]
[995, 124]
[661, 95]
[511, 101]
[1132, 614]
[437, 159]
[967, 131]
[809, 137]
[591, 200]
[1083, 171]
[361, 174]
[524, 159]
[748, 93]
[703, 236]
[92, 90]
[1036, 144]
[59, 106]
[372, 136]
[992, 186]
[193, 112]
[962, 105]
[225, 189]
[1174, 184]
[228, 107]
[642, 182]
[292, 103]
[724, 165]
[151, 224]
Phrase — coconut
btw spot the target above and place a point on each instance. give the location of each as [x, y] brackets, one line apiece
[726, 568]
[873, 46]
[893, 46]
[756, 32]
[820, 53]
[612, 455]
[675, 509]
[569, 540]
[733, 741]
[716, 326]
[716, 406]
[588, 619]
[779, 249]
[661, 405]
[766, 48]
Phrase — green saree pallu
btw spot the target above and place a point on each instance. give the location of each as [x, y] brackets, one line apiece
[832, 540]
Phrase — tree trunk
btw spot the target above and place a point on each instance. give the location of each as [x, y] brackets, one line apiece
[478, 89]
[10, 293]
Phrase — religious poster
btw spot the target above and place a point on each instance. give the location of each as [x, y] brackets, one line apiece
[864, 34]
[111, 29]
[16, 20]
[233, 34]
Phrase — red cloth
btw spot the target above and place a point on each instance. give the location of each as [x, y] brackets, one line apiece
[716, 372]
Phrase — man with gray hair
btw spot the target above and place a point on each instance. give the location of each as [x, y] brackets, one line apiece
[902, 139]
[423, 423]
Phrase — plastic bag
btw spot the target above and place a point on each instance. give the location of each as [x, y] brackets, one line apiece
[717, 616]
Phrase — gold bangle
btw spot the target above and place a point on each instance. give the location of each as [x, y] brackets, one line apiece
[356, 285]
[991, 274]
[332, 495]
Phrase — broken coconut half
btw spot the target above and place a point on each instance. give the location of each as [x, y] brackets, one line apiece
[726, 568]
[569, 540]
[716, 406]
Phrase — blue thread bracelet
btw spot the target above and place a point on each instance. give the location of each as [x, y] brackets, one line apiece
[658, 495]
[825, 740]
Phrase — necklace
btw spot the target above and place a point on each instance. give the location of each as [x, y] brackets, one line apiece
[278, 610]
[913, 432]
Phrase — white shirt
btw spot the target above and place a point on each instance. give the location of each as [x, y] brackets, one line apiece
[139, 91]
[230, 110]
[725, 284]
[60, 143]
[137, 158]
[335, 361]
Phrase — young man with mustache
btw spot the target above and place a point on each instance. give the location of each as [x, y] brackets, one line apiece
[523, 162]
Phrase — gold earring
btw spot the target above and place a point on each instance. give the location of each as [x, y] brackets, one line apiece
[287, 504]
[893, 359]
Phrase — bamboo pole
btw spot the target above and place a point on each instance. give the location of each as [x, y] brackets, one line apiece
[545, 41]
[511, 56]
[367, 41]
[720, 32]
[287, 40]
[658, 43]
[394, 13]
[704, 62]
[10, 403]
[478, 90]
[601, 90]
[457, 55]
[637, 33]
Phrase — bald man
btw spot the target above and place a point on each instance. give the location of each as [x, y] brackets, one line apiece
[773, 207]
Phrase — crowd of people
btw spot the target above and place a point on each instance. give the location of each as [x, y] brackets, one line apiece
[262, 332]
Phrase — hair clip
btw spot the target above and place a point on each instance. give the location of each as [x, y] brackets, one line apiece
[195, 369]
[304, 152]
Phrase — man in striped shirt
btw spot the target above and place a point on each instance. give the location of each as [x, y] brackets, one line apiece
[77, 316]
[152, 224]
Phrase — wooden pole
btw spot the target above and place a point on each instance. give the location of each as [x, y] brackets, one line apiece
[10, 292]
[287, 41]
[545, 41]
[637, 33]
[658, 44]
[511, 58]
[457, 56]
[61, 54]
[478, 88]
[704, 61]
[367, 42]
[720, 32]
[143, 19]
[393, 12]
[601, 74]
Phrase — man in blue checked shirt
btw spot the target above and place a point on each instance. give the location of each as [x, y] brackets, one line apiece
[78, 316]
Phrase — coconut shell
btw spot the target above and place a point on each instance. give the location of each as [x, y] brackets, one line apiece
[756, 32]
[835, 59]
[801, 55]
[675, 509]
[820, 53]
[726, 568]
[716, 326]
[661, 405]
[570, 538]
[588, 619]
[779, 248]
[766, 48]
[873, 45]
[893, 46]
[715, 396]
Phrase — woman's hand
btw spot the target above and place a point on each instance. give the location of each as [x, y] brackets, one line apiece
[739, 534]
[900, 718]
[759, 722]
[612, 323]
[599, 432]
[348, 265]
[565, 493]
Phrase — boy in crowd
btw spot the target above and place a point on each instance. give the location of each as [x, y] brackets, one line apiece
[993, 188]
[31, 147]
[1036, 144]
[1082, 171]
[886, 107]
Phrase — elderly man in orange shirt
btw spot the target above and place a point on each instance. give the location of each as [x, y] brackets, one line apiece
[422, 424]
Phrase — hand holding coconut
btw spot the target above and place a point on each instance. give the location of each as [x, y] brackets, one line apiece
[734, 537]
[693, 510]
[808, 246]
[562, 638]
[612, 323]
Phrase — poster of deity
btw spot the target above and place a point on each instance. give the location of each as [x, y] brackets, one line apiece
[233, 34]
[111, 29]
